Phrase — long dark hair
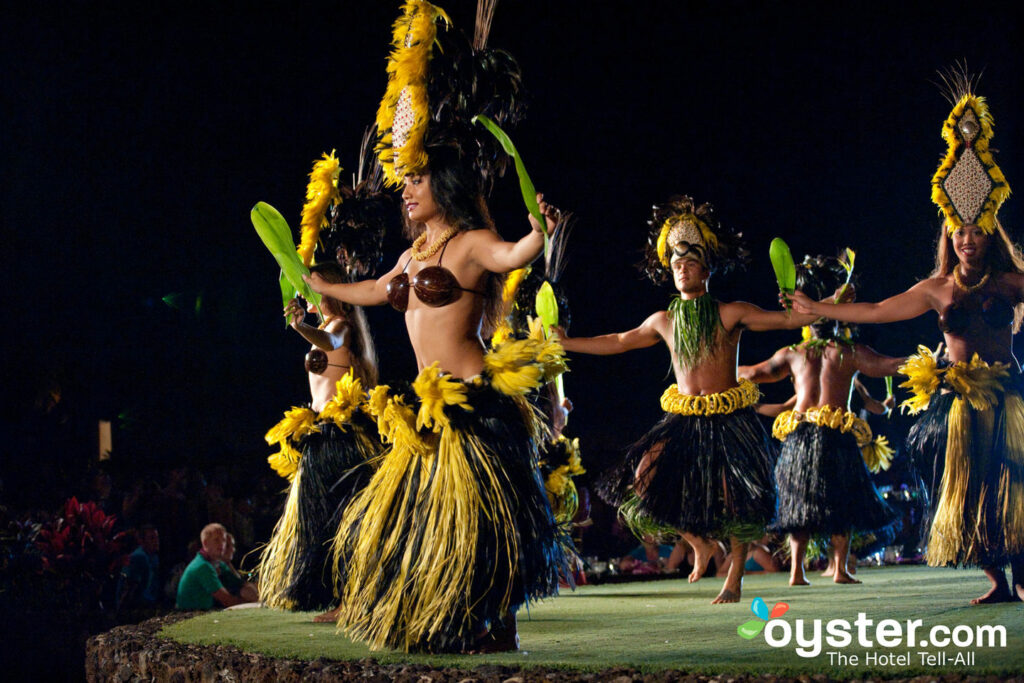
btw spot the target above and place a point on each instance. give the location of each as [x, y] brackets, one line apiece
[457, 190]
[360, 345]
[1001, 256]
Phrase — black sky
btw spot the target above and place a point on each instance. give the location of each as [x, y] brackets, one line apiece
[136, 137]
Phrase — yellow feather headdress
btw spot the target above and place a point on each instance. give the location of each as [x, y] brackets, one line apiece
[404, 112]
[968, 186]
[321, 192]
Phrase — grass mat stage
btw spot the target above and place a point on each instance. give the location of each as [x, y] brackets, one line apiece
[654, 626]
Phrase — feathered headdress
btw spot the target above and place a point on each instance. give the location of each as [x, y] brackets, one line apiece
[433, 94]
[968, 187]
[345, 223]
[820, 277]
[682, 228]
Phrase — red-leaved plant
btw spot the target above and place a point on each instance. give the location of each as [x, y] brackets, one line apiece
[81, 545]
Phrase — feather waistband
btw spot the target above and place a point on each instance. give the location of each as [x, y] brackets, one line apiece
[722, 403]
[876, 451]
[301, 421]
[977, 382]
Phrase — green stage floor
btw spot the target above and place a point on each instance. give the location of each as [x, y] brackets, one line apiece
[654, 626]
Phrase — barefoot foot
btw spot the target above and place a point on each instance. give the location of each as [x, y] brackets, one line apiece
[701, 557]
[845, 577]
[799, 581]
[327, 617]
[726, 595]
[996, 594]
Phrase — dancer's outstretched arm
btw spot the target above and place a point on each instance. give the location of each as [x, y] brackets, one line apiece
[362, 293]
[917, 300]
[647, 334]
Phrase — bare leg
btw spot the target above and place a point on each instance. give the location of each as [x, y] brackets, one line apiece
[840, 550]
[645, 469]
[830, 570]
[1000, 591]
[1017, 568]
[798, 546]
[733, 586]
[327, 617]
[703, 549]
[677, 557]
[851, 564]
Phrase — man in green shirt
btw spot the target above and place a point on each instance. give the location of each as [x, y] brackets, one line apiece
[200, 586]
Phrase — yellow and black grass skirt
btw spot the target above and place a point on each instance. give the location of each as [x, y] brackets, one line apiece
[454, 530]
[974, 437]
[825, 487]
[330, 467]
[713, 476]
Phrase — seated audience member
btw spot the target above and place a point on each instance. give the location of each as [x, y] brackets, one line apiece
[230, 577]
[200, 586]
[139, 582]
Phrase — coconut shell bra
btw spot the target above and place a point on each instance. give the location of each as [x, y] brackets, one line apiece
[997, 313]
[435, 286]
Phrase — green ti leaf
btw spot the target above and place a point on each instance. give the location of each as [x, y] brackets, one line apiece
[782, 262]
[277, 237]
[525, 184]
[547, 306]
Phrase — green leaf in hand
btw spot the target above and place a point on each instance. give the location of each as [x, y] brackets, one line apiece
[782, 262]
[277, 237]
[525, 184]
[547, 306]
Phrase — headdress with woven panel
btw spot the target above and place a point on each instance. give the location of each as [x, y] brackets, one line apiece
[968, 187]
[680, 228]
[437, 82]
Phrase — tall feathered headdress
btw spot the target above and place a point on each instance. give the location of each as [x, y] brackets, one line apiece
[681, 227]
[437, 82]
[968, 187]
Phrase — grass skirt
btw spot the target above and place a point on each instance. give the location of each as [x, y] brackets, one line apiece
[713, 476]
[295, 568]
[824, 486]
[454, 531]
[976, 458]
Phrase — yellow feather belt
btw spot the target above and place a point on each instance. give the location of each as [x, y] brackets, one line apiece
[722, 403]
[977, 382]
[877, 453]
[300, 421]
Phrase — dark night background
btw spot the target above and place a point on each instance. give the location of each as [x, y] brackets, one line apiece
[136, 137]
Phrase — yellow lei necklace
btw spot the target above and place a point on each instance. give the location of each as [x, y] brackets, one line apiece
[432, 249]
[969, 288]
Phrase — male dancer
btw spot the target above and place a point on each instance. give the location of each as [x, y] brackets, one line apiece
[706, 467]
[822, 478]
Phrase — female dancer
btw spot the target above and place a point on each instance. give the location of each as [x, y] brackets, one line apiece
[974, 425]
[454, 531]
[324, 452]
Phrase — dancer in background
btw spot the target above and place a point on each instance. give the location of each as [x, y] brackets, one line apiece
[973, 413]
[823, 483]
[324, 453]
[706, 468]
[326, 447]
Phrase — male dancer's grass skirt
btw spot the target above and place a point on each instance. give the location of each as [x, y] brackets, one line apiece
[975, 436]
[454, 531]
[822, 474]
[326, 458]
[705, 468]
